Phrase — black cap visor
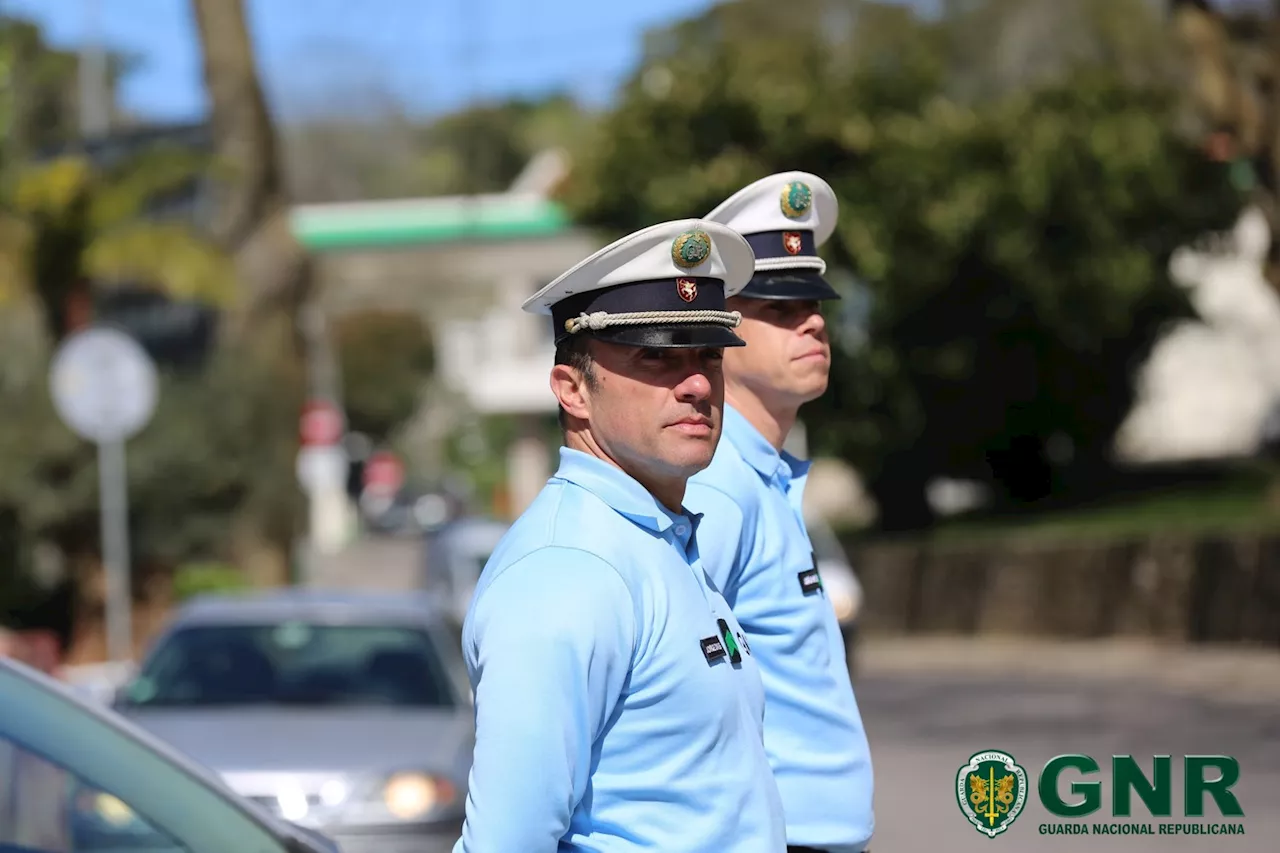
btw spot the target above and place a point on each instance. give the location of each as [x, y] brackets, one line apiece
[788, 284]
[681, 336]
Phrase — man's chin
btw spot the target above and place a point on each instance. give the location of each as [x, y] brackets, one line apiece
[809, 388]
[691, 454]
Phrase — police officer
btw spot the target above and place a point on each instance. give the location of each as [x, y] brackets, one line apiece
[753, 537]
[617, 704]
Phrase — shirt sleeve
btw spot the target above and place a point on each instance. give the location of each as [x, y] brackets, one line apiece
[724, 536]
[549, 647]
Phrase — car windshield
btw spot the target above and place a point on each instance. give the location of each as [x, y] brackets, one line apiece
[295, 663]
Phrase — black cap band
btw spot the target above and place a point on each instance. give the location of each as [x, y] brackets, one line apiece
[782, 244]
[665, 294]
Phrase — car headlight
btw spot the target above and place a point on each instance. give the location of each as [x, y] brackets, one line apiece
[410, 796]
[113, 810]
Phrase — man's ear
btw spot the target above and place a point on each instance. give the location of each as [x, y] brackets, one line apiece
[570, 388]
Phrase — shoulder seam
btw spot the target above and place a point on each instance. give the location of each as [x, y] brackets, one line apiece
[630, 597]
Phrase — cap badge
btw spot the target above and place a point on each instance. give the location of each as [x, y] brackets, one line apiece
[796, 199]
[792, 243]
[690, 249]
[687, 288]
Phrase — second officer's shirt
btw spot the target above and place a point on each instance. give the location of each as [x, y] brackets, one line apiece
[756, 549]
[618, 706]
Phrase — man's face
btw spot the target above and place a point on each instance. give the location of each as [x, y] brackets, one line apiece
[787, 358]
[656, 412]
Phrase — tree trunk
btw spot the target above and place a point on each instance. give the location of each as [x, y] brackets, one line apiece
[251, 216]
[251, 220]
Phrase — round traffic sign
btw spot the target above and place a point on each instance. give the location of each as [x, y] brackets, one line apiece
[321, 423]
[322, 466]
[104, 385]
[383, 473]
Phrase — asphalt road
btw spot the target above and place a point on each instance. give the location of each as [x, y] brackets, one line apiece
[924, 719]
[928, 704]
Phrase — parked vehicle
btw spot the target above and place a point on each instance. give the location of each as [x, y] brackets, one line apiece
[75, 776]
[343, 711]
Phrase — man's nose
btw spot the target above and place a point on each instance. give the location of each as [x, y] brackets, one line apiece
[695, 387]
[814, 323]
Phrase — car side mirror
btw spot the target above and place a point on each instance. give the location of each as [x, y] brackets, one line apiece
[120, 697]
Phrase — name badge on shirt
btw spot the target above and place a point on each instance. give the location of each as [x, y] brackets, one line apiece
[810, 580]
[712, 649]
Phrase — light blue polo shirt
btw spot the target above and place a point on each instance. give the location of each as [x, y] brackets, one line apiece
[756, 548]
[610, 712]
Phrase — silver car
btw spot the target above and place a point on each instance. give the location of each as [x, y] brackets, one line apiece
[74, 776]
[345, 712]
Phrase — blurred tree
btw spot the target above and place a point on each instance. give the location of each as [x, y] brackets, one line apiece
[250, 197]
[215, 468]
[385, 358]
[1015, 242]
[482, 148]
[44, 90]
[251, 222]
[70, 224]
[1233, 50]
[485, 147]
[213, 452]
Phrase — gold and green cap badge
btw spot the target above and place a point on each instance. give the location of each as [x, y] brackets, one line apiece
[991, 790]
[691, 249]
[796, 199]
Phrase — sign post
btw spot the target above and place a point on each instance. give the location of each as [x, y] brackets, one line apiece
[104, 387]
[322, 471]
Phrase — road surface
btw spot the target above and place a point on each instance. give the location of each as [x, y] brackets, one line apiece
[929, 705]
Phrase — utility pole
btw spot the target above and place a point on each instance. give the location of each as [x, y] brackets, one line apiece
[95, 95]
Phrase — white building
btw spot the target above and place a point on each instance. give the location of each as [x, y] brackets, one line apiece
[465, 264]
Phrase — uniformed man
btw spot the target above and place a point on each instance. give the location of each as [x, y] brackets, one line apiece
[753, 538]
[617, 704]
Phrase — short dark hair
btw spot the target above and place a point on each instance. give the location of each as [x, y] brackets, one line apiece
[576, 354]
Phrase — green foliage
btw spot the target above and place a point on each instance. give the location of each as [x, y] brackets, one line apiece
[484, 148]
[220, 443]
[193, 579]
[1015, 242]
[481, 148]
[476, 452]
[72, 223]
[40, 96]
[386, 358]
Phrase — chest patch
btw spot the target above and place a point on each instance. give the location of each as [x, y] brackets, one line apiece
[712, 649]
[810, 579]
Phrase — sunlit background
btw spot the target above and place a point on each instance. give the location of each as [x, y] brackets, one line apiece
[1045, 490]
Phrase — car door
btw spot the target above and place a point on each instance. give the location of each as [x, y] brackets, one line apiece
[80, 779]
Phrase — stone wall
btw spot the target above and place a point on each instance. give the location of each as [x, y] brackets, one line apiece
[1212, 589]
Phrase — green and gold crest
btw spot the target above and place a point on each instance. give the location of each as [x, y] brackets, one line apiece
[691, 248]
[991, 789]
[796, 199]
